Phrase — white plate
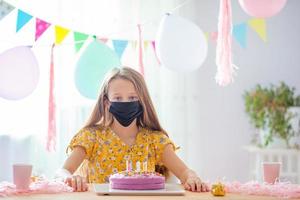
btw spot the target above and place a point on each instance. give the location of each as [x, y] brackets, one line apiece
[170, 190]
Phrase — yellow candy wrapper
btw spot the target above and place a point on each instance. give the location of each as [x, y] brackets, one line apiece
[218, 189]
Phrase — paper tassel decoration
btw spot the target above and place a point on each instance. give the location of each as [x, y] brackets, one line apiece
[141, 64]
[120, 46]
[79, 39]
[60, 34]
[51, 139]
[5, 9]
[224, 63]
[40, 27]
[23, 18]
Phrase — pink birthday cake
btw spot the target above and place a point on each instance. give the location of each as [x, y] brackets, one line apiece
[137, 181]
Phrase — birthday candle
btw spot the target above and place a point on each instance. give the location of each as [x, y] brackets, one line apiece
[130, 165]
[127, 166]
[138, 166]
[145, 166]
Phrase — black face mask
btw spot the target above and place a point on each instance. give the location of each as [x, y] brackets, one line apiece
[126, 112]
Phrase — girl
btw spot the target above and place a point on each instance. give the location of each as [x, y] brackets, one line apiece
[124, 126]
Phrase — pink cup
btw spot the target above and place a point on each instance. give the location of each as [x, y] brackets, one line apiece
[271, 171]
[22, 175]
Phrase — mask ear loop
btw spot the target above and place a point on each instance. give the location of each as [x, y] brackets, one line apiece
[107, 103]
[106, 100]
[139, 119]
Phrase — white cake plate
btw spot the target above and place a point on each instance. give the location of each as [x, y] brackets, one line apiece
[170, 190]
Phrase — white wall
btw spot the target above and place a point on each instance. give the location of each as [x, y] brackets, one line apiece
[217, 126]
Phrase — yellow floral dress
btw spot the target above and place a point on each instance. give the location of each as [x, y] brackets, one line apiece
[107, 153]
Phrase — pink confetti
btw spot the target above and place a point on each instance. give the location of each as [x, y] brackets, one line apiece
[279, 189]
[39, 187]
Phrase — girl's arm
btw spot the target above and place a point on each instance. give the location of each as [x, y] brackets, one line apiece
[75, 159]
[71, 164]
[188, 178]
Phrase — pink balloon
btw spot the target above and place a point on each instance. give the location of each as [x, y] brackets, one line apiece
[19, 73]
[262, 8]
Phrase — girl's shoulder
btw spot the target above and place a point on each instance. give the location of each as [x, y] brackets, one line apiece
[154, 134]
[96, 130]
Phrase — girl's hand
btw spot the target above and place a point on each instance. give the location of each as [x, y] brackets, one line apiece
[192, 182]
[78, 183]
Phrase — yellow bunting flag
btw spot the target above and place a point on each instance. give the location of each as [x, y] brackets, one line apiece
[133, 44]
[259, 26]
[206, 35]
[60, 34]
[146, 44]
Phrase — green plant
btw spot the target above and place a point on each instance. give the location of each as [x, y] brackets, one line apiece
[267, 108]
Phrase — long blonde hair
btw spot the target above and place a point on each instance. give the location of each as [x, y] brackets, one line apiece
[102, 117]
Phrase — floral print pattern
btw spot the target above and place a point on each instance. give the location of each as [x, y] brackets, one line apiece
[106, 153]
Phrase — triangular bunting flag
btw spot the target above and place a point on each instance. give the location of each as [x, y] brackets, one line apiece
[119, 46]
[5, 9]
[104, 40]
[60, 34]
[239, 32]
[79, 39]
[22, 19]
[146, 44]
[206, 35]
[214, 36]
[259, 26]
[133, 44]
[40, 27]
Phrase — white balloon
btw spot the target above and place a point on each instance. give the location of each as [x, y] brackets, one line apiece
[19, 73]
[181, 44]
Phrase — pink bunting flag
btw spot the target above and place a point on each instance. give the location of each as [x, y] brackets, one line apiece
[141, 64]
[40, 27]
[224, 63]
[51, 139]
[104, 40]
[214, 36]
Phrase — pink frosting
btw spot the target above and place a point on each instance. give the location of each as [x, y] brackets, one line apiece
[138, 186]
[137, 180]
